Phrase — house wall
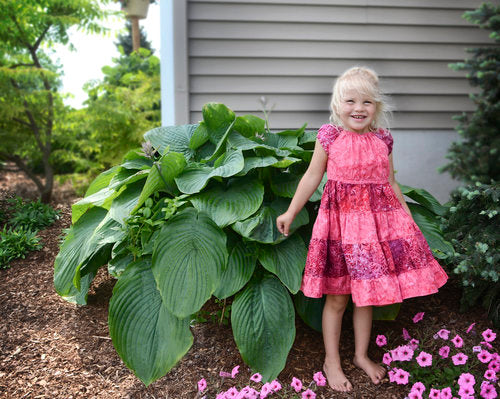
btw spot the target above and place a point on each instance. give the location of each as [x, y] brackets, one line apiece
[288, 53]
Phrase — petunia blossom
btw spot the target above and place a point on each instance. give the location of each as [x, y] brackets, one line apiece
[434, 393]
[458, 341]
[490, 375]
[488, 335]
[414, 395]
[418, 387]
[488, 391]
[466, 391]
[232, 393]
[275, 385]
[319, 379]
[494, 365]
[414, 343]
[202, 385]
[418, 317]
[446, 393]
[424, 359]
[406, 335]
[256, 377]
[459, 358]
[265, 390]
[405, 353]
[387, 359]
[466, 379]
[296, 384]
[381, 340]
[235, 371]
[444, 351]
[469, 329]
[308, 394]
[401, 376]
[484, 356]
[443, 333]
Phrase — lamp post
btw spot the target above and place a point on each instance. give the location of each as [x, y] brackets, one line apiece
[135, 10]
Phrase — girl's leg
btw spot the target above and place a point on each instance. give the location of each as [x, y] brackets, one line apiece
[362, 322]
[332, 324]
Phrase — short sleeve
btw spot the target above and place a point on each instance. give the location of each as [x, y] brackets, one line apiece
[327, 135]
[386, 136]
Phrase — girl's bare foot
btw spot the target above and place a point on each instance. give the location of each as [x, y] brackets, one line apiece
[336, 378]
[375, 371]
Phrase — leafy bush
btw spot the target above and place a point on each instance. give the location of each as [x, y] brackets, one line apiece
[472, 227]
[32, 215]
[191, 216]
[16, 243]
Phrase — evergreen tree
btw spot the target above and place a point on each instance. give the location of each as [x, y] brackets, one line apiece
[476, 158]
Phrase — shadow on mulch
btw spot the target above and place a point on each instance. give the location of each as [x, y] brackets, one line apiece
[53, 349]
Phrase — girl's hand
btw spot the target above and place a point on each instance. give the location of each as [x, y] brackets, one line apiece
[283, 223]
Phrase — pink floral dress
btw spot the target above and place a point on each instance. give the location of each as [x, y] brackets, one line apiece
[363, 242]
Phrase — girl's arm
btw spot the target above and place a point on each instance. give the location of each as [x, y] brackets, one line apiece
[396, 188]
[307, 185]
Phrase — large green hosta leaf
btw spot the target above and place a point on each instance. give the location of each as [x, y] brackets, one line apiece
[261, 227]
[427, 222]
[123, 204]
[239, 270]
[250, 125]
[161, 176]
[424, 198]
[176, 138]
[257, 162]
[226, 205]
[263, 321]
[71, 255]
[195, 177]
[217, 118]
[286, 260]
[149, 339]
[189, 255]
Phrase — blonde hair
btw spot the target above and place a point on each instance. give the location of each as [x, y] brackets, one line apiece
[366, 82]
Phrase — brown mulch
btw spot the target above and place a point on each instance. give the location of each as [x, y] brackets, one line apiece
[52, 349]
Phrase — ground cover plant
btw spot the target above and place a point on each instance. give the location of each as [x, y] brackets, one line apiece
[193, 215]
[19, 234]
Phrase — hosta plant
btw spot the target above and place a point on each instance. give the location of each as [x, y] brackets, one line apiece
[193, 215]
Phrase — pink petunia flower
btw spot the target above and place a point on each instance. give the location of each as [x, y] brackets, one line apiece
[488, 391]
[256, 377]
[414, 343]
[434, 393]
[418, 387]
[459, 358]
[401, 376]
[395, 354]
[275, 385]
[414, 395]
[221, 395]
[446, 393]
[296, 384]
[484, 356]
[494, 365]
[490, 375]
[202, 385]
[458, 341]
[466, 379]
[444, 351]
[487, 344]
[319, 379]
[488, 335]
[231, 393]
[381, 340]
[308, 394]
[392, 376]
[406, 335]
[418, 317]
[405, 353]
[477, 349]
[444, 334]
[466, 391]
[235, 371]
[265, 390]
[424, 359]
[387, 359]
[469, 329]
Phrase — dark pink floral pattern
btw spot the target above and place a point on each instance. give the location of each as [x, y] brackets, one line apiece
[363, 241]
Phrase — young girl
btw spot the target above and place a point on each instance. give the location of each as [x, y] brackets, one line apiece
[364, 243]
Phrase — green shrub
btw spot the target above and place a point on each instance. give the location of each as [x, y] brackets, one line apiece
[32, 215]
[16, 243]
[473, 228]
[191, 216]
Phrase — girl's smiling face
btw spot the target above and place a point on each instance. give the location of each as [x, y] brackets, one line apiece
[356, 111]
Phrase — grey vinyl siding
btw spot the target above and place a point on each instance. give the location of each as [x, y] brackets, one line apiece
[289, 52]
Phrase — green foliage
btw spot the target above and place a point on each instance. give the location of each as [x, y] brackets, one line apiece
[33, 215]
[125, 40]
[15, 243]
[472, 227]
[476, 157]
[192, 216]
[30, 104]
